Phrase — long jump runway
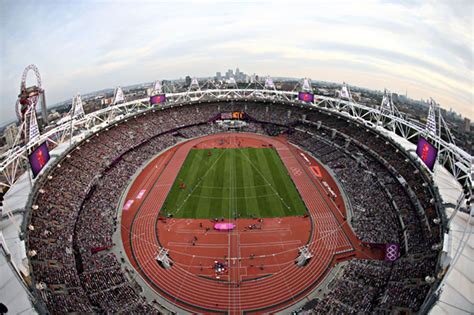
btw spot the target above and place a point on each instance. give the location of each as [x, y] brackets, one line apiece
[262, 275]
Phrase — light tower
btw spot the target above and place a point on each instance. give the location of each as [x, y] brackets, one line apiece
[231, 83]
[307, 85]
[157, 88]
[194, 86]
[269, 85]
[387, 108]
[345, 92]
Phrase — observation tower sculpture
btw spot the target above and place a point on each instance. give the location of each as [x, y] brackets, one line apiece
[28, 99]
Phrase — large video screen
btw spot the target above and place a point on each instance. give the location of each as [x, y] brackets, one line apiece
[306, 97]
[427, 152]
[238, 115]
[39, 158]
[232, 115]
[157, 99]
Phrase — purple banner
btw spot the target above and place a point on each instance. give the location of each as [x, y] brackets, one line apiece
[38, 158]
[157, 99]
[392, 251]
[306, 97]
[427, 152]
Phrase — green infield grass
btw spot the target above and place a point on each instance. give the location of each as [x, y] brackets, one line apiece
[233, 183]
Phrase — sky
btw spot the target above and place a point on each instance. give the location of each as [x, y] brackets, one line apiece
[423, 48]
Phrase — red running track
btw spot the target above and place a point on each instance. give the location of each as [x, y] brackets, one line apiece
[191, 284]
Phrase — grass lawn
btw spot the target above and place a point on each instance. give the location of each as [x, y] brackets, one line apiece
[233, 183]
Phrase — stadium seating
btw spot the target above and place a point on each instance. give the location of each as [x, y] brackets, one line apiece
[77, 209]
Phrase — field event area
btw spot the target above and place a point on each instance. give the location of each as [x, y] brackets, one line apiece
[233, 183]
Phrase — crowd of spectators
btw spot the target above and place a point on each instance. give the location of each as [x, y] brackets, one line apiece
[404, 295]
[362, 283]
[414, 268]
[199, 130]
[74, 214]
[404, 286]
[374, 218]
[390, 153]
[369, 286]
[76, 207]
[416, 235]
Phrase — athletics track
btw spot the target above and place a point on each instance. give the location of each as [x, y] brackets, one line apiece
[262, 275]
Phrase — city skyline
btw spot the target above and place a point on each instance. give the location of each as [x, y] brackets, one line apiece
[419, 47]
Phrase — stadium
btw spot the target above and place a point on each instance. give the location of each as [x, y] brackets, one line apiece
[236, 199]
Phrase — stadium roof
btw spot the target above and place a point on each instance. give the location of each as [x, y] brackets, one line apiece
[13, 293]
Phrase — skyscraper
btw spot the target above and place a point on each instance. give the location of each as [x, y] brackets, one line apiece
[187, 80]
[10, 134]
[467, 125]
